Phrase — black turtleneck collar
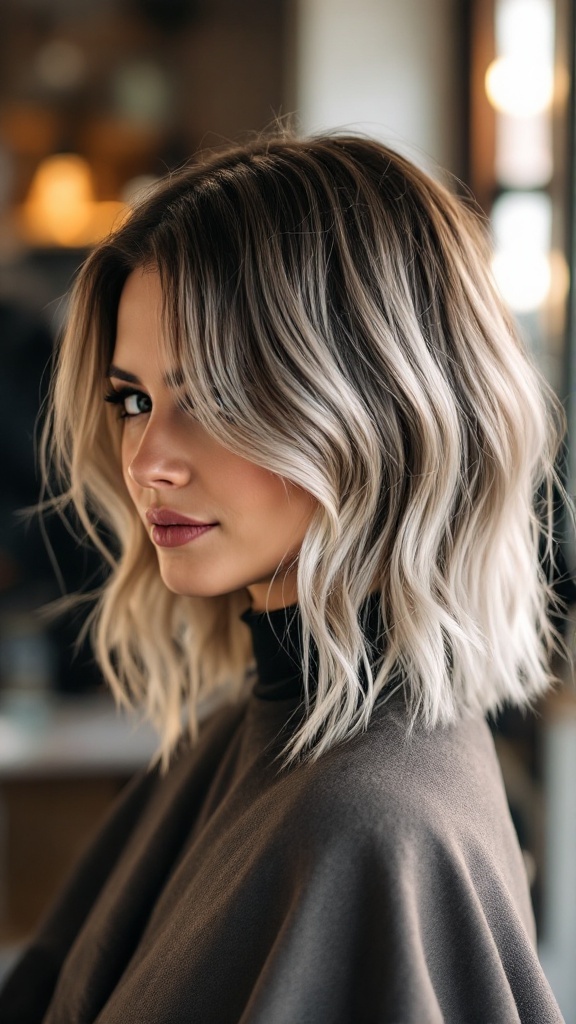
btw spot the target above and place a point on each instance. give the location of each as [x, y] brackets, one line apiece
[277, 645]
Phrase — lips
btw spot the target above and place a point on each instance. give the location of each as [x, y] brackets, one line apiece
[178, 534]
[171, 529]
[168, 517]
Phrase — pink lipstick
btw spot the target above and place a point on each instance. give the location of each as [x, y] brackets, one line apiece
[174, 536]
[172, 529]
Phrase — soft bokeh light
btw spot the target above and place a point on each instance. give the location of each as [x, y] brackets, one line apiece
[525, 28]
[522, 223]
[519, 86]
[524, 151]
[523, 279]
[522, 220]
[61, 209]
[142, 92]
[61, 64]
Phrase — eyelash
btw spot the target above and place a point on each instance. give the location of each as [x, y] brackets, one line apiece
[118, 397]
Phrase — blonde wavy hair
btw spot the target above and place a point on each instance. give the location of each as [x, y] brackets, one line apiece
[332, 312]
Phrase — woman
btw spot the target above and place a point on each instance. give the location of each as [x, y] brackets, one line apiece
[291, 395]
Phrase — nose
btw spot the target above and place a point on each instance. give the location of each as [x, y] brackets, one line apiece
[158, 461]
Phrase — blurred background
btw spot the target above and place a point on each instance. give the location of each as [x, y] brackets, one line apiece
[99, 99]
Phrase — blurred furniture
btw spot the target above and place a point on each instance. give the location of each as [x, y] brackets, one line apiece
[63, 761]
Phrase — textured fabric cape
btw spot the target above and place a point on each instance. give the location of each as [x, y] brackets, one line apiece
[383, 884]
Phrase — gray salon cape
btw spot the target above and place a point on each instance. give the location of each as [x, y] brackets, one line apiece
[382, 884]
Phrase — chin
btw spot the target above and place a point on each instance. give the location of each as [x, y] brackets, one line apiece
[184, 588]
[193, 583]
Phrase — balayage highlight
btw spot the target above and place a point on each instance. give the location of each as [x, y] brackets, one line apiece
[332, 314]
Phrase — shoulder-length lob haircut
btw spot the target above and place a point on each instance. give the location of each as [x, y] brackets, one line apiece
[332, 313]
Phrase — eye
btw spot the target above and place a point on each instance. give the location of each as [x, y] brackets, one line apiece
[132, 403]
[136, 403]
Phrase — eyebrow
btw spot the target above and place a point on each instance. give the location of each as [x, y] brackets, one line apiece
[175, 379]
[115, 371]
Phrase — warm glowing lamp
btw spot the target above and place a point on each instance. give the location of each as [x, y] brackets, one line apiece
[60, 208]
[59, 203]
[519, 87]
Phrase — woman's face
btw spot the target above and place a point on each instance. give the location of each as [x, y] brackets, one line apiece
[176, 471]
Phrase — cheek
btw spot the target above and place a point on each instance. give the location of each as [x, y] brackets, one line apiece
[271, 501]
[255, 490]
[126, 455]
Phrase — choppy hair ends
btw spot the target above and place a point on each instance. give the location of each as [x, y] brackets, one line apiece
[334, 317]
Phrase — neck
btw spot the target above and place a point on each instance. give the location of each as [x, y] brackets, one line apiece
[278, 648]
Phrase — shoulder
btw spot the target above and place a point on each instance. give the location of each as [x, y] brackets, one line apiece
[392, 771]
[414, 803]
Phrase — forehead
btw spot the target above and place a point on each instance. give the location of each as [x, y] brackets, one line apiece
[139, 319]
